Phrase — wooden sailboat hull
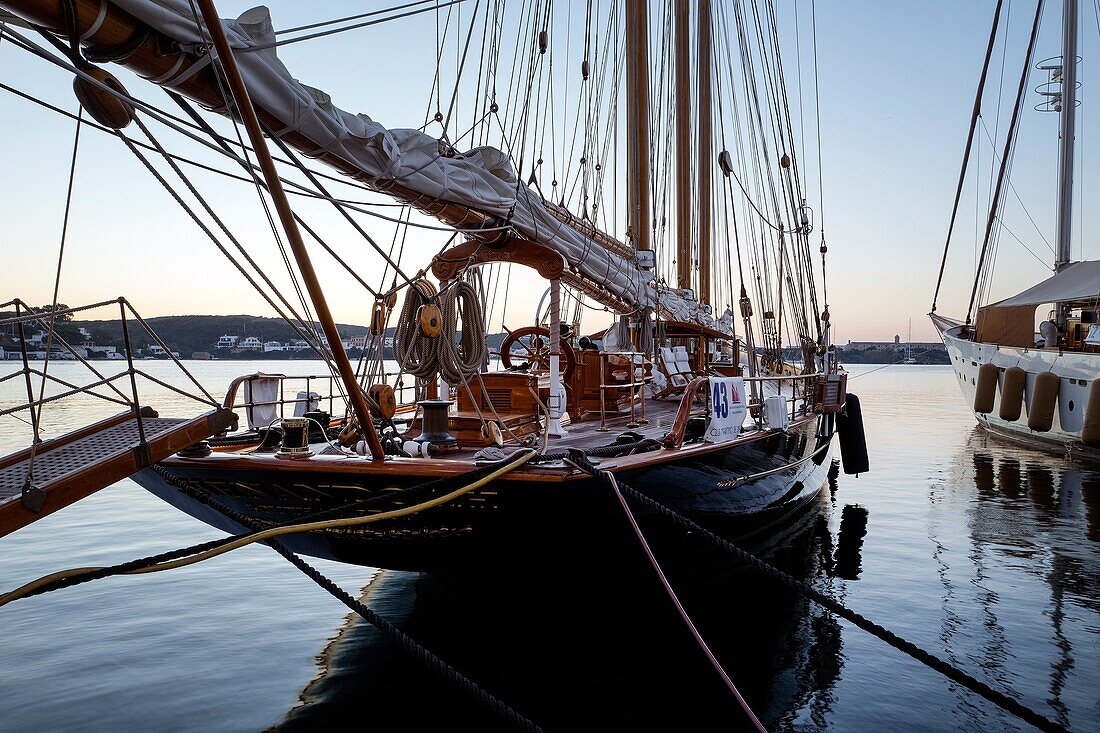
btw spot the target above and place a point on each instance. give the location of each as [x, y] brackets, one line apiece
[516, 520]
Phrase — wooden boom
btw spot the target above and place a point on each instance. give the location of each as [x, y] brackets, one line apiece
[159, 59]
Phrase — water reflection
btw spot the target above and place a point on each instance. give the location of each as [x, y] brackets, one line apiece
[599, 647]
[1048, 538]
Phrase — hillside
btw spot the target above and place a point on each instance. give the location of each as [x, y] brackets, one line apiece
[191, 334]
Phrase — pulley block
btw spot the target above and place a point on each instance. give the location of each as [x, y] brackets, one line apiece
[105, 108]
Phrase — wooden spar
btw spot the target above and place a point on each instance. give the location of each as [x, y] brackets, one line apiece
[290, 226]
[158, 57]
[637, 122]
[682, 31]
[703, 193]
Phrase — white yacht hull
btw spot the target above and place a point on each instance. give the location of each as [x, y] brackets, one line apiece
[1076, 370]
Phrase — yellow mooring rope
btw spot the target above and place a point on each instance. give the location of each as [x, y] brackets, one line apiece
[279, 531]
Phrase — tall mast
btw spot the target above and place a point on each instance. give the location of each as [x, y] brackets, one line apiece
[290, 226]
[637, 122]
[682, 59]
[703, 192]
[1066, 129]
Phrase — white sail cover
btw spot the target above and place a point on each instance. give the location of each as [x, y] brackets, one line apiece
[1079, 281]
[481, 178]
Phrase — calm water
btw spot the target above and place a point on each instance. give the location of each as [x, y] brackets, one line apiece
[985, 554]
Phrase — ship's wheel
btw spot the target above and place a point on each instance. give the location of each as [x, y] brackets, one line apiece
[532, 345]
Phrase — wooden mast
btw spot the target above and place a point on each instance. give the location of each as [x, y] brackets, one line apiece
[290, 226]
[637, 122]
[703, 192]
[682, 58]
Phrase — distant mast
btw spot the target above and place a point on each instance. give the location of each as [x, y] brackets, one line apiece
[637, 122]
[682, 64]
[703, 192]
[1067, 121]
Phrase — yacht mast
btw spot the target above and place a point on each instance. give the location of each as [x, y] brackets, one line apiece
[703, 201]
[1067, 120]
[637, 122]
[682, 59]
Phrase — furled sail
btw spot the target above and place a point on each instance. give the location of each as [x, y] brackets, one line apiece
[481, 178]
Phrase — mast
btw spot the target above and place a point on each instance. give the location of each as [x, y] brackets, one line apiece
[682, 59]
[1067, 120]
[703, 202]
[290, 226]
[637, 122]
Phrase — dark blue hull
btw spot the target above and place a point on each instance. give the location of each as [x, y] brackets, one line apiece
[741, 490]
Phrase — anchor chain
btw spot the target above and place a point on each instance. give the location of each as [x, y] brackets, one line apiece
[945, 668]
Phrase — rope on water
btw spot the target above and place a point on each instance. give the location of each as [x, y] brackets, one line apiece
[406, 642]
[77, 576]
[945, 668]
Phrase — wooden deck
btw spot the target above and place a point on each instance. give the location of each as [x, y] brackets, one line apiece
[659, 415]
[74, 466]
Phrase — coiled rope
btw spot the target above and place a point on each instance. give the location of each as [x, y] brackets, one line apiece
[455, 358]
[1000, 699]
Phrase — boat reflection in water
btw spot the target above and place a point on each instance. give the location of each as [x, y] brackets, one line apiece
[599, 647]
[1010, 592]
[1040, 515]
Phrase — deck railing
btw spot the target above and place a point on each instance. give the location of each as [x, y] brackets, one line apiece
[119, 389]
[298, 393]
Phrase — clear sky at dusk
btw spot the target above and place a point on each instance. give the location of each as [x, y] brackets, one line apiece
[896, 85]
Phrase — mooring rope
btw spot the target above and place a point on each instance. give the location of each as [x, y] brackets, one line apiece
[680, 607]
[229, 544]
[945, 668]
[77, 576]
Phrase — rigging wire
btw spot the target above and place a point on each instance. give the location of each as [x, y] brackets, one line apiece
[53, 304]
[975, 114]
[1013, 127]
[355, 26]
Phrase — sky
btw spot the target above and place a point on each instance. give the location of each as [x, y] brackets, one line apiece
[896, 87]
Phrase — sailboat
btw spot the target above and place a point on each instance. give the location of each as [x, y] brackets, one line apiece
[909, 346]
[667, 396]
[1040, 388]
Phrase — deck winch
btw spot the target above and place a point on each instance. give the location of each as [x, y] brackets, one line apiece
[295, 442]
[434, 421]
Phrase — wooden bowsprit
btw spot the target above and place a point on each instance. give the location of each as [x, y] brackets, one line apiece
[74, 466]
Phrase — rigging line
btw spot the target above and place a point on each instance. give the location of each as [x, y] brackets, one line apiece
[209, 210]
[461, 67]
[975, 115]
[357, 226]
[294, 323]
[355, 26]
[1012, 234]
[346, 19]
[56, 289]
[817, 108]
[1012, 187]
[220, 77]
[1013, 127]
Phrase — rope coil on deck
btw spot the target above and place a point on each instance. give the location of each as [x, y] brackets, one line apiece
[452, 354]
[945, 668]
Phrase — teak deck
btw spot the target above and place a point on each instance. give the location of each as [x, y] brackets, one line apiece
[74, 466]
